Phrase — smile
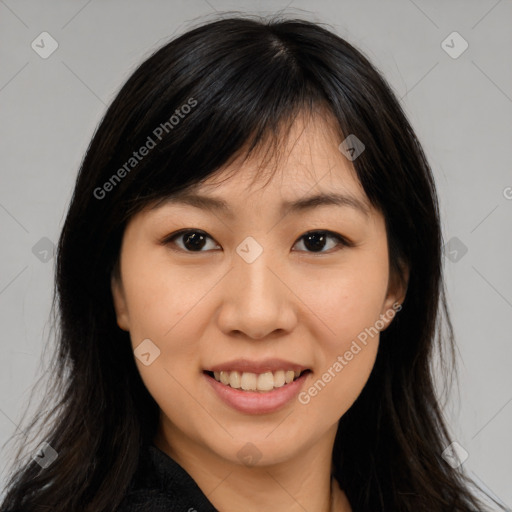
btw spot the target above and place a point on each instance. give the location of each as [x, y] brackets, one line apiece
[262, 382]
[252, 387]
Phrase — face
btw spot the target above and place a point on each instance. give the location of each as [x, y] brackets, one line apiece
[281, 304]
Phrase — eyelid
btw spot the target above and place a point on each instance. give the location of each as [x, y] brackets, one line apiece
[168, 239]
[342, 240]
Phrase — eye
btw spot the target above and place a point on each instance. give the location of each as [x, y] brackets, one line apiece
[315, 241]
[194, 240]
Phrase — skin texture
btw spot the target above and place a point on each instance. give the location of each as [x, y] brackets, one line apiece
[206, 308]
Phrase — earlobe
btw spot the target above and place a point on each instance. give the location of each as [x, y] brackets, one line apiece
[119, 303]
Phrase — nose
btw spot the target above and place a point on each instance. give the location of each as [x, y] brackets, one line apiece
[256, 299]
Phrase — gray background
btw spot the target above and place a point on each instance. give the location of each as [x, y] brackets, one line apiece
[460, 107]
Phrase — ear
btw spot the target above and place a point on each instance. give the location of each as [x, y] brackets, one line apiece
[397, 290]
[119, 299]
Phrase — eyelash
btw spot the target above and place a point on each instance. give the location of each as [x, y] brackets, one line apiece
[341, 241]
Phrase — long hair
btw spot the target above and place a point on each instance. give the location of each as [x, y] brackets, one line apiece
[221, 90]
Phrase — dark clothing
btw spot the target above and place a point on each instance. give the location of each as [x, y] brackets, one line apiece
[161, 485]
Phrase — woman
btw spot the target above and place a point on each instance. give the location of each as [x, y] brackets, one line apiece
[231, 345]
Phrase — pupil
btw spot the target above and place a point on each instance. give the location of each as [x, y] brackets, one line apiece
[195, 239]
[315, 241]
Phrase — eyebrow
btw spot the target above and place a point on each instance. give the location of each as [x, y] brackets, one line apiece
[290, 206]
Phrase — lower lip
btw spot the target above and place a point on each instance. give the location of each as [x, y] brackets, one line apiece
[253, 402]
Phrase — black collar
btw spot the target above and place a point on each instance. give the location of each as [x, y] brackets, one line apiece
[160, 484]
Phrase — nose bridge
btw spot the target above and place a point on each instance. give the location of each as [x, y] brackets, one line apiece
[256, 283]
[255, 302]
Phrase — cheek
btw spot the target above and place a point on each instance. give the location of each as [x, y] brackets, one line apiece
[347, 299]
[349, 304]
[166, 309]
[330, 394]
[345, 362]
[158, 295]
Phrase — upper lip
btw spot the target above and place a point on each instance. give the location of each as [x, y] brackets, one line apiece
[265, 365]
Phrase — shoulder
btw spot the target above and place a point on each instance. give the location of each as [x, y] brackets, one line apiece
[160, 484]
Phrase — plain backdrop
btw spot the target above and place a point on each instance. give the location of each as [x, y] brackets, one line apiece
[460, 105]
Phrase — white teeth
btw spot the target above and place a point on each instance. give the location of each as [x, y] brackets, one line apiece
[265, 381]
[249, 381]
[279, 379]
[256, 382]
[234, 380]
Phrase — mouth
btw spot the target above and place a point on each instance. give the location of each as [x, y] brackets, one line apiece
[264, 382]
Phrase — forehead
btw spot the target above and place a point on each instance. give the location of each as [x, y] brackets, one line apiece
[304, 163]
